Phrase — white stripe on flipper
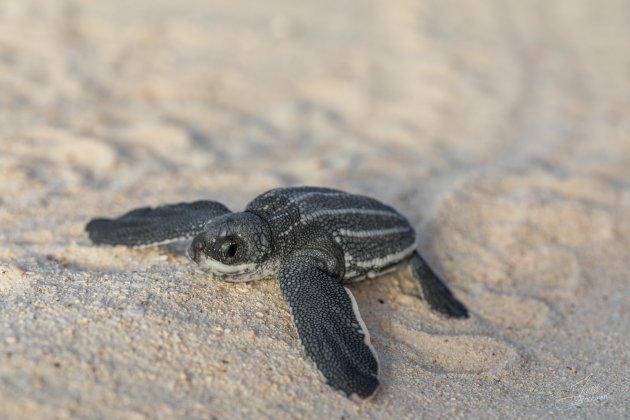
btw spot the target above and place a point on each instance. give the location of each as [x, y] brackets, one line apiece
[366, 334]
[373, 233]
[164, 242]
[383, 261]
[334, 212]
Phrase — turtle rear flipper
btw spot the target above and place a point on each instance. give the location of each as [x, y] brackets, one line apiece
[435, 291]
[330, 327]
[148, 226]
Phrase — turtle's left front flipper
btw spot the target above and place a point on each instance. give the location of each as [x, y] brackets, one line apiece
[329, 326]
[155, 226]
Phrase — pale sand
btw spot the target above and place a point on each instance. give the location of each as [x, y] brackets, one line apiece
[501, 128]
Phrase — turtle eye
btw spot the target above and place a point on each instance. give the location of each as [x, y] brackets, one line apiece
[229, 250]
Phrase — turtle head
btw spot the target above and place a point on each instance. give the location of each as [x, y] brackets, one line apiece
[233, 245]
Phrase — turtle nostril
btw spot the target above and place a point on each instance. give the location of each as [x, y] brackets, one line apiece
[196, 248]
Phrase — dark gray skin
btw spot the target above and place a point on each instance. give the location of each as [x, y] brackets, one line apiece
[314, 240]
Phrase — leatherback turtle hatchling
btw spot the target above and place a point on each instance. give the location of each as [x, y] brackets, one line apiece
[314, 240]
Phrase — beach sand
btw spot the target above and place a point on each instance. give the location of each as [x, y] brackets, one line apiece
[500, 128]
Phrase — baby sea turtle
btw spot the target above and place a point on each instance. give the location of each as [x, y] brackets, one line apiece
[314, 240]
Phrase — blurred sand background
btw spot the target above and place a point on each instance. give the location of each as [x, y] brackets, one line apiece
[500, 128]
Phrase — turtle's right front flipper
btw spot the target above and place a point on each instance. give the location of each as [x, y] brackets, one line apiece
[148, 226]
[329, 326]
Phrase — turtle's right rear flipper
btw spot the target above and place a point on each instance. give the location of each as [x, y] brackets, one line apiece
[435, 291]
[148, 226]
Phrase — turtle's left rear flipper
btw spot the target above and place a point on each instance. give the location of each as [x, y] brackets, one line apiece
[148, 226]
[435, 291]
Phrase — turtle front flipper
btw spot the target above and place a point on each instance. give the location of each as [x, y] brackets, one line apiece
[148, 226]
[435, 291]
[329, 325]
